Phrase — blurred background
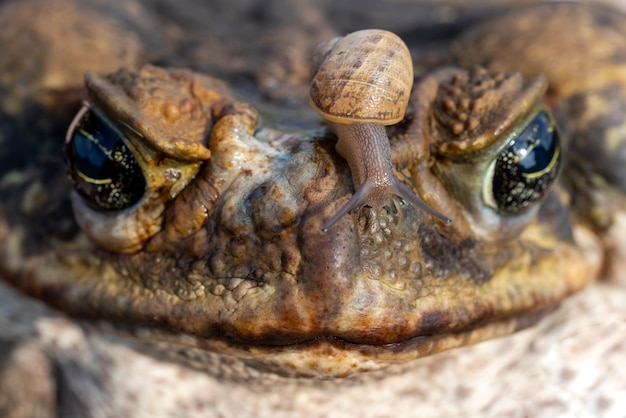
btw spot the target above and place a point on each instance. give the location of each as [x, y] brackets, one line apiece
[262, 47]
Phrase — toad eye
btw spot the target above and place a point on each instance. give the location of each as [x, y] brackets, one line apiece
[527, 167]
[102, 168]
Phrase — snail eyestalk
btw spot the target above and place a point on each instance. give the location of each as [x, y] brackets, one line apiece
[366, 147]
[361, 83]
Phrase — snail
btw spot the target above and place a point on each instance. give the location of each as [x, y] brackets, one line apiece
[361, 83]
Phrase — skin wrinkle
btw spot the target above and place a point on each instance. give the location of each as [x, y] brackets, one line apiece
[259, 215]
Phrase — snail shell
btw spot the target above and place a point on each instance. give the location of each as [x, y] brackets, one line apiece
[363, 77]
[359, 84]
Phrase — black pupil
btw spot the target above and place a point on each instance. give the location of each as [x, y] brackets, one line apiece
[528, 166]
[536, 145]
[104, 171]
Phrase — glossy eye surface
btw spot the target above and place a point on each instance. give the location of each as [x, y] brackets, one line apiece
[527, 167]
[104, 171]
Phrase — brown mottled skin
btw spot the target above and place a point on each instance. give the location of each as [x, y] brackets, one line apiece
[219, 279]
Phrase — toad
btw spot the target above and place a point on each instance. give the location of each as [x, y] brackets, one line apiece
[199, 235]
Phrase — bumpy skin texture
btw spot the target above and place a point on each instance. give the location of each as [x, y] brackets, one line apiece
[230, 275]
[234, 256]
[588, 97]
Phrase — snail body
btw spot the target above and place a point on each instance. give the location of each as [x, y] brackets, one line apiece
[361, 83]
